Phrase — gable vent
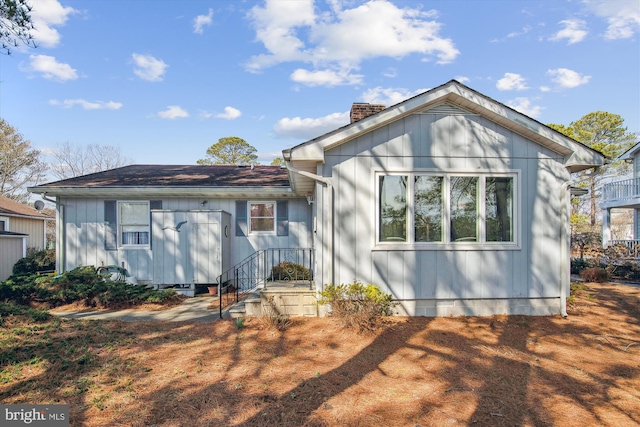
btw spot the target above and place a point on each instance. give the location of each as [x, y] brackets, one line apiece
[448, 109]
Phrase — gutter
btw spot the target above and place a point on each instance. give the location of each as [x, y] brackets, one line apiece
[327, 182]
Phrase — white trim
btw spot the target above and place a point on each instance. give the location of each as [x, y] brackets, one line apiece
[120, 224]
[481, 244]
[5, 219]
[275, 216]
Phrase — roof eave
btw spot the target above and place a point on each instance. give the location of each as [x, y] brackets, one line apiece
[164, 191]
[468, 99]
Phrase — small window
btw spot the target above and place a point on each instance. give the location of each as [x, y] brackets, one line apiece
[134, 223]
[262, 217]
[3, 226]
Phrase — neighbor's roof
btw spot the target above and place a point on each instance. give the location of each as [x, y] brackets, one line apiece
[10, 207]
[178, 180]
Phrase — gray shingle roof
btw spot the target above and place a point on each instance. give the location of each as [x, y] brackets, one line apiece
[180, 175]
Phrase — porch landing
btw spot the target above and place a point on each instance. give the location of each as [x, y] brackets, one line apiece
[293, 298]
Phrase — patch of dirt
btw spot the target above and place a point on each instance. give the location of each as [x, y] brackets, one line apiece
[484, 371]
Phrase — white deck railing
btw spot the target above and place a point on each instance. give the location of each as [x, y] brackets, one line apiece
[621, 190]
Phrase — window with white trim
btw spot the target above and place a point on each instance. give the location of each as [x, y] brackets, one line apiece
[447, 208]
[262, 217]
[133, 223]
[4, 224]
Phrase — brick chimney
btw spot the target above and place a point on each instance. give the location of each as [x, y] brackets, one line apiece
[361, 110]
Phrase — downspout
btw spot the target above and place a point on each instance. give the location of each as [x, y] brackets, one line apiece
[565, 267]
[327, 182]
[60, 233]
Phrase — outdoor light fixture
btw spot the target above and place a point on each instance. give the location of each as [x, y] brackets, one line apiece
[310, 198]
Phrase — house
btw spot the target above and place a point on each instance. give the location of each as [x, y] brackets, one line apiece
[451, 201]
[623, 194]
[21, 227]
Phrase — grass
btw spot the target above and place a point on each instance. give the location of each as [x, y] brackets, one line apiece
[497, 371]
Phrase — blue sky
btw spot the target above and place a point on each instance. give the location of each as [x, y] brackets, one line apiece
[163, 80]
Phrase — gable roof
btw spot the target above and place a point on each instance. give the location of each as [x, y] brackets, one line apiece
[175, 180]
[10, 207]
[446, 98]
[630, 153]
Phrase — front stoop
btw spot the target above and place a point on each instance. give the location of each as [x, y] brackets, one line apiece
[290, 299]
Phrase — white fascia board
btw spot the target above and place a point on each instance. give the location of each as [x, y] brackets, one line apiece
[165, 191]
[629, 154]
[41, 218]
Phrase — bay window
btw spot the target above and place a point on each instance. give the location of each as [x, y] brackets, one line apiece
[427, 209]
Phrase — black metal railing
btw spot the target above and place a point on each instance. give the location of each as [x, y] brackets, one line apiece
[262, 267]
[621, 190]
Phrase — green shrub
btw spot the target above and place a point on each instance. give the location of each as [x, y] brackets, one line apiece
[36, 261]
[594, 274]
[83, 285]
[32, 314]
[358, 305]
[289, 271]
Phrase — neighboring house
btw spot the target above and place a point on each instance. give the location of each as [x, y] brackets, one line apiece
[451, 201]
[21, 227]
[623, 194]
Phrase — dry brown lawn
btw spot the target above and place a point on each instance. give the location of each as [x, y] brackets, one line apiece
[490, 371]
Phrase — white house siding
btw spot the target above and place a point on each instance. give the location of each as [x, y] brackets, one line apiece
[84, 233]
[441, 282]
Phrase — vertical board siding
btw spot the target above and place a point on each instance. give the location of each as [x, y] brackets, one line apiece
[34, 228]
[456, 142]
[12, 250]
[85, 235]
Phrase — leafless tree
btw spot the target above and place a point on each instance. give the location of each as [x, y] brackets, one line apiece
[70, 160]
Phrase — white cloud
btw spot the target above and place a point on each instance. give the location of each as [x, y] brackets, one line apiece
[87, 105]
[326, 77]
[388, 96]
[52, 69]
[524, 31]
[524, 106]
[201, 21]
[567, 78]
[230, 113]
[45, 15]
[173, 112]
[149, 68]
[545, 89]
[511, 81]
[337, 41]
[308, 128]
[574, 31]
[623, 17]
[462, 79]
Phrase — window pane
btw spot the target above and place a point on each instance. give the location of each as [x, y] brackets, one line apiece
[428, 208]
[134, 213]
[262, 224]
[499, 209]
[464, 209]
[262, 210]
[393, 208]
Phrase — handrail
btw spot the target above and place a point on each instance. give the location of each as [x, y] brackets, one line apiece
[257, 270]
[621, 190]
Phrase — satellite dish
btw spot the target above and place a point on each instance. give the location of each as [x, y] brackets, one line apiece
[39, 205]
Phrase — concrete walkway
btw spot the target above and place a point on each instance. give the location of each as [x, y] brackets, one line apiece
[191, 310]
